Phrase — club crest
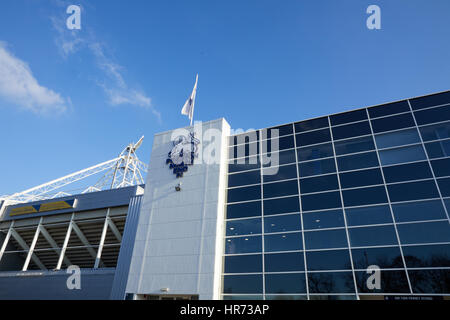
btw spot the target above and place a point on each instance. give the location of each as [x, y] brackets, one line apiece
[183, 153]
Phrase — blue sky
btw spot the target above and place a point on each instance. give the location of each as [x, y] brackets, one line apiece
[85, 94]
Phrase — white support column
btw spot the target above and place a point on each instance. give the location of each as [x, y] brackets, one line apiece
[53, 243]
[33, 245]
[102, 241]
[66, 242]
[25, 247]
[5, 243]
[84, 240]
[114, 229]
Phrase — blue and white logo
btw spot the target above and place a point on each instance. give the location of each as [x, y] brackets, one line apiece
[184, 151]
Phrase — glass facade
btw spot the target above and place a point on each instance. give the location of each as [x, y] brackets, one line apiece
[309, 212]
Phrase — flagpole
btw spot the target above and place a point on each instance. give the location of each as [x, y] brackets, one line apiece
[195, 96]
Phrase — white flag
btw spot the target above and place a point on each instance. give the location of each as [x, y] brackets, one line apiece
[188, 108]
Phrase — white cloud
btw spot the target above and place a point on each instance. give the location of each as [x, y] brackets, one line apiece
[116, 89]
[18, 85]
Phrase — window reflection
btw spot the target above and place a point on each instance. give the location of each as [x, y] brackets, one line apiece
[427, 256]
[389, 257]
[243, 245]
[283, 242]
[327, 282]
[243, 284]
[430, 281]
[285, 283]
[290, 222]
[323, 219]
[241, 227]
[401, 155]
[368, 215]
[419, 210]
[391, 282]
[398, 138]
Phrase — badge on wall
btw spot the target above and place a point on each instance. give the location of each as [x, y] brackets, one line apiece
[183, 153]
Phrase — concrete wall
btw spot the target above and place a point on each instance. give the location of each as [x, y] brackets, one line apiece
[49, 285]
[179, 240]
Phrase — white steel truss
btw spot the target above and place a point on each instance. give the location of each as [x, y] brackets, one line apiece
[123, 171]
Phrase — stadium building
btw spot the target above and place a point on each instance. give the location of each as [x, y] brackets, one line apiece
[352, 205]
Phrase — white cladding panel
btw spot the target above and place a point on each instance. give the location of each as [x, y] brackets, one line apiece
[179, 240]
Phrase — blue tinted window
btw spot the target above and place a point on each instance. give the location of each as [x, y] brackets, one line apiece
[283, 242]
[420, 210]
[285, 283]
[403, 154]
[368, 215]
[326, 239]
[278, 158]
[323, 219]
[413, 191]
[277, 144]
[327, 282]
[242, 297]
[398, 138]
[284, 205]
[405, 172]
[444, 186]
[280, 173]
[311, 124]
[438, 149]
[290, 222]
[388, 109]
[430, 101]
[249, 163]
[427, 232]
[243, 263]
[351, 116]
[441, 167]
[241, 179]
[321, 201]
[430, 281]
[361, 178]
[393, 123]
[246, 226]
[389, 257]
[351, 130]
[447, 204]
[354, 145]
[322, 183]
[244, 194]
[246, 137]
[358, 197]
[357, 161]
[278, 189]
[373, 236]
[313, 137]
[277, 131]
[243, 150]
[243, 245]
[281, 262]
[315, 152]
[317, 167]
[436, 132]
[432, 115]
[427, 256]
[390, 282]
[243, 283]
[242, 210]
[328, 260]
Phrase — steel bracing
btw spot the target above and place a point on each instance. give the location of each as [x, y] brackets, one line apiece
[123, 171]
